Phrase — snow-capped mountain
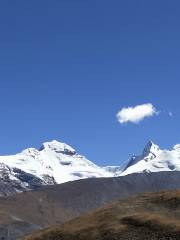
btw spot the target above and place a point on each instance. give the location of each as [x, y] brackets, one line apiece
[153, 159]
[53, 163]
[56, 163]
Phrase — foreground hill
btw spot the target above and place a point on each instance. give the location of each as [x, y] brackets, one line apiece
[152, 216]
[29, 211]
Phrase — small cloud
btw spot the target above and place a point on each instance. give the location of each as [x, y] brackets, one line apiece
[170, 114]
[137, 113]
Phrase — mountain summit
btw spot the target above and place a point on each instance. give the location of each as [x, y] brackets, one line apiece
[150, 152]
[153, 159]
[151, 148]
[58, 147]
[53, 163]
[56, 162]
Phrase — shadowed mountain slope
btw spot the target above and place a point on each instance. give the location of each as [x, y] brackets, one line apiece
[23, 213]
[152, 216]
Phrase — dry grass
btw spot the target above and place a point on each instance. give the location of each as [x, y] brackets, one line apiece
[153, 216]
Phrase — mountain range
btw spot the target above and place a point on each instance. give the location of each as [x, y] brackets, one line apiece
[66, 185]
[56, 163]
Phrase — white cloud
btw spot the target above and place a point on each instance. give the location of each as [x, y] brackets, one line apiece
[137, 113]
[170, 114]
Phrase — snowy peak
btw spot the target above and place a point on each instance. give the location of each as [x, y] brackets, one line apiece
[53, 163]
[149, 152]
[57, 162]
[57, 147]
[153, 159]
[151, 148]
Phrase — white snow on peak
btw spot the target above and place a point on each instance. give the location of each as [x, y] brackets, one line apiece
[151, 148]
[54, 160]
[177, 147]
[30, 152]
[57, 162]
[153, 159]
[58, 147]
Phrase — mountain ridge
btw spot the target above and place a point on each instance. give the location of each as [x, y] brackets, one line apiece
[55, 162]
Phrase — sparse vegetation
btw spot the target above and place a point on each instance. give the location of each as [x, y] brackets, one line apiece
[152, 216]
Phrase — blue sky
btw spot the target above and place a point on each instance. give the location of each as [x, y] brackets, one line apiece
[68, 67]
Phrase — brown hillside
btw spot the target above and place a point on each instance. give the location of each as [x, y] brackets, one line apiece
[24, 213]
[151, 216]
